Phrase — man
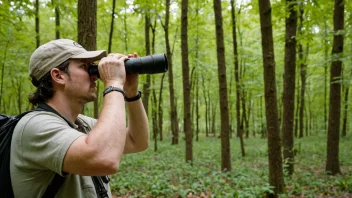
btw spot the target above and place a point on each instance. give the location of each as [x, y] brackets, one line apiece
[46, 143]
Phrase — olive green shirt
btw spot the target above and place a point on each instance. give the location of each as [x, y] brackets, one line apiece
[39, 144]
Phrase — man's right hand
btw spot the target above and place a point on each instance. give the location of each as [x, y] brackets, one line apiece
[112, 70]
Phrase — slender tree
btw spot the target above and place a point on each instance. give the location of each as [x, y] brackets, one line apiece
[345, 112]
[37, 28]
[112, 25]
[3, 73]
[289, 84]
[332, 162]
[146, 86]
[276, 178]
[237, 79]
[224, 110]
[303, 72]
[173, 111]
[187, 122]
[57, 18]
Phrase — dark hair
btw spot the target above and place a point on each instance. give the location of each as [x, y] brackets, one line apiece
[44, 86]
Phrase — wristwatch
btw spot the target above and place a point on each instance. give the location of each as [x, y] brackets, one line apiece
[137, 97]
[111, 88]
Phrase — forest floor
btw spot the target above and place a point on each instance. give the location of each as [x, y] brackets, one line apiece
[163, 173]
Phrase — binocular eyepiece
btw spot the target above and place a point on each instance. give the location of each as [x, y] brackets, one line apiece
[151, 64]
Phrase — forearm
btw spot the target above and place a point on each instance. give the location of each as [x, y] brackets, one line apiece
[109, 134]
[138, 127]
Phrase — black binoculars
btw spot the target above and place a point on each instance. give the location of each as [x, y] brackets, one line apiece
[151, 64]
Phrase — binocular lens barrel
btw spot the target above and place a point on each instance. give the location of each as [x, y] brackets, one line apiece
[151, 64]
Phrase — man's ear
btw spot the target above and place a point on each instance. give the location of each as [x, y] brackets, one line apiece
[57, 76]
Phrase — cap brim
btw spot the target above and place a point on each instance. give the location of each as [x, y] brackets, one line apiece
[91, 56]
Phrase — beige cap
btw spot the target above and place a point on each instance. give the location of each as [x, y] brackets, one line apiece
[54, 53]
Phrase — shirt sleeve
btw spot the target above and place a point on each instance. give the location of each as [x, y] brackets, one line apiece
[44, 140]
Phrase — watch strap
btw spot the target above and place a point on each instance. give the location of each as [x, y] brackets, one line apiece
[111, 88]
[137, 97]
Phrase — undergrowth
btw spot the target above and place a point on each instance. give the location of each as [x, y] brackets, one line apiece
[164, 173]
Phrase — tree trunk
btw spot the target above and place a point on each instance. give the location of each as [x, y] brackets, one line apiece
[344, 123]
[87, 31]
[224, 110]
[274, 143]
[332, 162]
[2, 74]
[57, 18]
[155, 120]
[289, 85]
[345, 112]
[237, 79]
[160, 108]
[37, 29]
[186, 83]
[205, 93]
[303, 71]
[125, 34]
[146, 86]
[112, 25]
[297, 108]
[326, 57]
[87, 24]
[173, 111]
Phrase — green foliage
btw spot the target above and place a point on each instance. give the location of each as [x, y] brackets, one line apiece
[165, 174]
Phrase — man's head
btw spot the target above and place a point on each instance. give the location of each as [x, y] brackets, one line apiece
[55, 54]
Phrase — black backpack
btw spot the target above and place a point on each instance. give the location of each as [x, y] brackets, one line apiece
[7, 125]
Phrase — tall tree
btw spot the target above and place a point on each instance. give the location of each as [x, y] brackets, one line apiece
[332, 162]
[87, 30]
[289, 84]
[303, 72]
[345, 112]
[187, 122]
[112, 25]
[37, 29]
[237, 78]
[224, 110]
[57, 18]
[276, 178]
[146, 86]
[173, 111]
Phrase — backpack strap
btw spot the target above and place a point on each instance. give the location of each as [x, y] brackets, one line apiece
[99, 187]
[54, 186]
[97, 180]
[58, 180]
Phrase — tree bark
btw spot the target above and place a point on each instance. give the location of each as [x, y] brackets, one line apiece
[289, 85]
[332, 162]
[224, 110]
[186, 82]
[146, 86]
[237, 79]
[160, 108]
[173, 111]
[274, 143]
[57, 18]
[345, 112]
[111, 25]
[37, 29]
[87, 31]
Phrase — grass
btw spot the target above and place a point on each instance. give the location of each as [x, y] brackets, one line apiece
[165, 174]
